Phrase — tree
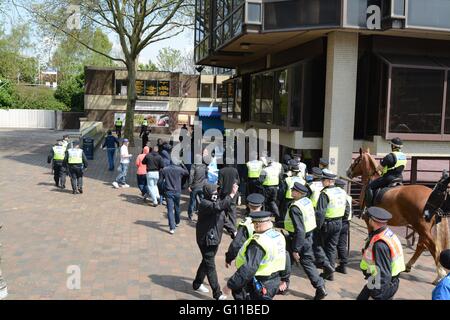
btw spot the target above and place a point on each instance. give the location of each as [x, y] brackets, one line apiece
[6, 92]
[169, 59]
[137, 24]
[71, 92]
[148, 67]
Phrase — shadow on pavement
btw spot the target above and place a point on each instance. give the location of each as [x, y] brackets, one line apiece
[299, 294]
[153, 225]
[134, 199]
[180, 284]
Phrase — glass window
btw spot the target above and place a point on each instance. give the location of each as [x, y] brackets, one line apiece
[399, 7]
[447, 108]
[140, 89]
[267, 98]
[430, 13]
[281, 98]
[313, 96]
[296, 96]
[151, 88]
[230, 98]
[238, 102]
[219, 91]
[206, 90]
[255, 103]
[416, 101]
[254, 12]
[121, 87]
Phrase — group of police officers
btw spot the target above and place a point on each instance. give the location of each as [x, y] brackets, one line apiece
[311, 229]
[67, 158]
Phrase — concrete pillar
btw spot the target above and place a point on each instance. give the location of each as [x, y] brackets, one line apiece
[340, 99]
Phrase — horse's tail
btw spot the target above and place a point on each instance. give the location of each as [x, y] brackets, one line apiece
[442, 236]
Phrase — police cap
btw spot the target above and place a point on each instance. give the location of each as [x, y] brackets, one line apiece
[379, 214]
[396, 142]
[327, 174]
[309, 178]
[444, 258]
[300, 187]
[317, 172]
[255, 199]
[261, 216]
[294, 165]
[339, 183]
[324, 161]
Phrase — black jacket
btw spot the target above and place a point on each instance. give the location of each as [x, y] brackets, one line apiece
[237, 243]
[227, 177]
[211, 215]
[171, 177]
[197, 177]
[299, 235]
[153, 161]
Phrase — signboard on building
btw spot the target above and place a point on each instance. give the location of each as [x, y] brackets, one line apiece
[154, 120]
[163, 88]
[140, 87]
[143, 105]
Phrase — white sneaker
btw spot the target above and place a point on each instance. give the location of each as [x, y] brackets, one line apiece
[3, 292]
[203, 289]
[172, 231]
[115, 185]
[125, 186]
[223, 297]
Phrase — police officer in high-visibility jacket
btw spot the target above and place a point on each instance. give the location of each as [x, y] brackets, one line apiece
[391, 167]
[342, 246]
[254, 168]
[76, 163]
[261, 262]
[57, 154]
[270, 179]
[118, 124]
[294, 175]
[382, 260]
[300, 222]
[331, 208]
[245, 228]
[316, 186]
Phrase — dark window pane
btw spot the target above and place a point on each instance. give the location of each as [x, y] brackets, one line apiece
[206, 90]
[416, 101]
[314, 96]
[230, 98]
[296, 96]
[267, 98]
[238, 104]
[447, 108]
[280, 99]
[256, 101]
[254, 13]
[121, 87]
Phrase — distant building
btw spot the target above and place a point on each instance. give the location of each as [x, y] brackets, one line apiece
[49, 78]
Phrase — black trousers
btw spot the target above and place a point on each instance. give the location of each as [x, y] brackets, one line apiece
[284, 208]
[76, 177]
[271, 195]
[230, 217]
[207, 269]
[386, 293]
[59, 173]
[342, 246]
[253, 186]
[307, 260]
[119, 131]
[330, 236]
[383, 181]
[249, 293]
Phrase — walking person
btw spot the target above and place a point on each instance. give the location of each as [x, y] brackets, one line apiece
[118, 124]
[144, 128]
[110, 144]
[197, 179]
[145, 138]
[57, 155]
[209, 230]
[171, 176]
[342, 246]
[121, 180]
[164, 151]
[76, 162]
[154, 164]
[228, 176]
[141, 173]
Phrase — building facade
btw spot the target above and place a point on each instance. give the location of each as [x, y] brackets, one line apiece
[333, 75]
[167, 100]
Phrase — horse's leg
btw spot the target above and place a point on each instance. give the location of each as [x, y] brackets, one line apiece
[431, 245]
[419, 249]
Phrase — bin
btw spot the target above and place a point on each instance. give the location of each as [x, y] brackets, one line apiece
[88, 148]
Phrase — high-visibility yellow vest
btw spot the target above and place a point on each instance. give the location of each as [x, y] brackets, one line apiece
[401, 161]
[337, 201]
[308, 214]
[395, 246]
[274, 246]
[59, 153]
[316, 188]
[254, 168]
[75, 156]
[350, 214]
[247, 224]
[145, 122]
[272, 174]
[118, 123]
[290, 181]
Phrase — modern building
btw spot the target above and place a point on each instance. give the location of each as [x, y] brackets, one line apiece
[167, 100]
[333, 75]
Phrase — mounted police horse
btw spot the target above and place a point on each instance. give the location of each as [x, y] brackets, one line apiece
[415, 205]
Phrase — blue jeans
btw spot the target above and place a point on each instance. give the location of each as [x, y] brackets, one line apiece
[142, 183]
[173, 203]
[123, 169]
[193, 200]
[111, 153]
[152, 185]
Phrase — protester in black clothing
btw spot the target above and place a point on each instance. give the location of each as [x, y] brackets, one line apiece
[209, 235]
[229, 176]
[145, 138]
[197, 180]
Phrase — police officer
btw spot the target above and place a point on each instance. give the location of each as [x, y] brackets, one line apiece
[270, 179]
[76, 162]
[342, 246]
[382, 259]
[118, 123]
[301, 166]
[300, 222]
[254, 168]
[316, 186]
[323, 163]
[392, 166]
[294, 175]
[331, 208]
[144, 127]
[57, 154]
[261, 262]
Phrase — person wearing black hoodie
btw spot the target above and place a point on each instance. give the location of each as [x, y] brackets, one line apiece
[209, 232]
[197, 179]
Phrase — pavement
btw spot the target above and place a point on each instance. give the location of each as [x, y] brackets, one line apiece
[118, 245]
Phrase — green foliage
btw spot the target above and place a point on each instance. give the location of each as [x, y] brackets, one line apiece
[30, 97]
[148, 67]
[169, 59]
[71, 92]
[6, 92]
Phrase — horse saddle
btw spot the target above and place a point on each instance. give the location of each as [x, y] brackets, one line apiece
[438, 199]
[379, 193]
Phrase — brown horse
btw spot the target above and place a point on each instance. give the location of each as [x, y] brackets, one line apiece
[406, 204]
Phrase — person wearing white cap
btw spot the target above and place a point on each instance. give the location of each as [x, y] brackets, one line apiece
[124, 164]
